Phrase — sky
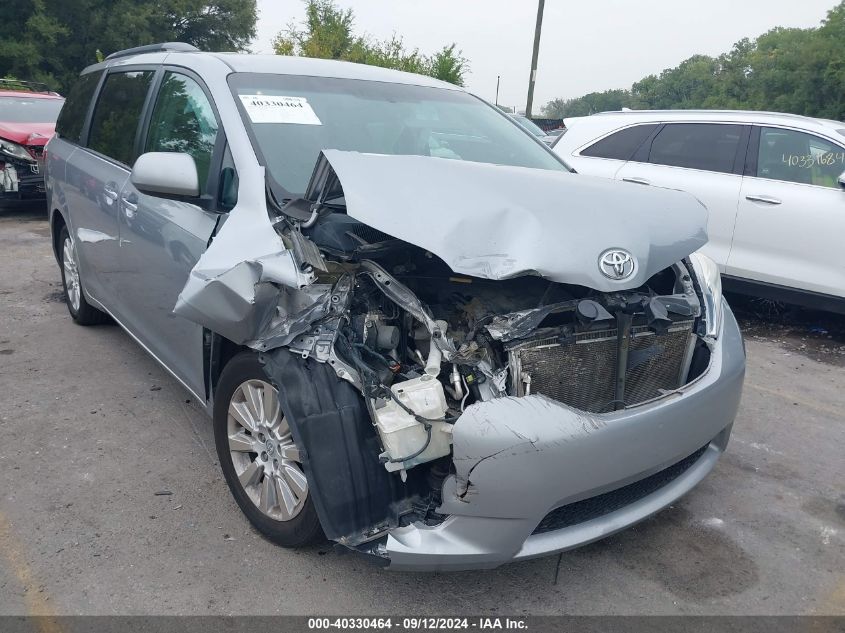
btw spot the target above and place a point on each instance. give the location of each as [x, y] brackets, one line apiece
[586, 46]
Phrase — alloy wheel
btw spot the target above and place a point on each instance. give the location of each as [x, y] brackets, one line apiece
[264, 455]
[71, 275]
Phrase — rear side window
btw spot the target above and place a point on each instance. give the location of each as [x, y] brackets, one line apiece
[118, 113]
[795, 156]
[183, 121]
[620, 145]
[707, 146]
[72, 116]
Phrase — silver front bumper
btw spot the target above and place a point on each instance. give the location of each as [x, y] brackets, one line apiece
[516, 459]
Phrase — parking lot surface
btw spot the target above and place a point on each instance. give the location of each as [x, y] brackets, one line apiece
[112, 501]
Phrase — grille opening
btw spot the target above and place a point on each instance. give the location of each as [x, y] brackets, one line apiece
[600, 505]
[580, 369]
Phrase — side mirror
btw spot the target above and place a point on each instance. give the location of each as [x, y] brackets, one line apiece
[166, 174]
[842, 180]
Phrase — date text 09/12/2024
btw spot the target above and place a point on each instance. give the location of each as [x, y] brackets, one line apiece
[418, 623]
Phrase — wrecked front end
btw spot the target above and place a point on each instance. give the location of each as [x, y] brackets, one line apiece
[20, 179]
[470, 379]
[21, 176]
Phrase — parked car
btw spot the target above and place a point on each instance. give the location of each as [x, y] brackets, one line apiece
[547, 137]
[438, 363]
[773, 184]
[28, 114]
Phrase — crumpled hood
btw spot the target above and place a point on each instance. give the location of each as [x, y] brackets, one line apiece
[498, 222]
[27, 133]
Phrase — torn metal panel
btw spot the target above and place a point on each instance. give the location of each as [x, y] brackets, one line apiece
[253, 300]
[319, 340]
[499, 222]
[520, 324]
[296, 310]
[248, 286]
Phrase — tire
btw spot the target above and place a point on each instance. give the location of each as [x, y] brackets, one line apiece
[80, 310]
[259, 459]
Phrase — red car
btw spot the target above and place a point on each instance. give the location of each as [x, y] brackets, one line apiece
[28, 114]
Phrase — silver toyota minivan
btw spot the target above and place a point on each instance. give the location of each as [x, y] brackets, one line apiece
[417, 332]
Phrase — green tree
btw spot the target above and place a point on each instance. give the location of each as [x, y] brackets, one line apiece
[735, 69]
[787, 70]
[52, 41]
[449, 65]
[588, 104]
[328, 32]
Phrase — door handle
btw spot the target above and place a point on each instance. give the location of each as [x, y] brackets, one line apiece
[637, 181]
[130, 205]
[763, 199]
[109, 191]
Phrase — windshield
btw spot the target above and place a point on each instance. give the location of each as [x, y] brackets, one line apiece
[529, 125]
[293, 118]
[28, 110]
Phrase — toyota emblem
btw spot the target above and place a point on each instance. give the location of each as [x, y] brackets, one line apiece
[617, 264]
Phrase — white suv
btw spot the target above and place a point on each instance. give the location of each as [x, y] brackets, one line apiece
[773, 184]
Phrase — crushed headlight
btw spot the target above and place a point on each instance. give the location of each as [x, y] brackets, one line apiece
[15, 151]
[710, 280]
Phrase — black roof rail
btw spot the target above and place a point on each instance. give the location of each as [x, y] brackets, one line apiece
[28, 86]
[154, 48]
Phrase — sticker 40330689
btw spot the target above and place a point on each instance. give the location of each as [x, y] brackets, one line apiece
[279, 109]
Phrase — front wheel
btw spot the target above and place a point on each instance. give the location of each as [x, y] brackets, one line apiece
[259, 458]
[80, 310]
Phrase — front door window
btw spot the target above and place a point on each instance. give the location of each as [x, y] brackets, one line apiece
[183, 121]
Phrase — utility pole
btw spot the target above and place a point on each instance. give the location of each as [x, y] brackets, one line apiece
[534, 56]
[497, 88]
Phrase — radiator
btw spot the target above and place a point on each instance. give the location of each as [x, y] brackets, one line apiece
[581, 370]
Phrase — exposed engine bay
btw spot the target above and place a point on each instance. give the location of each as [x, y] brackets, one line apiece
[420, 344]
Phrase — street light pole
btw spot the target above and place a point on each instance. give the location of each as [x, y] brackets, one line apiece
[497, 88]
[534, 56]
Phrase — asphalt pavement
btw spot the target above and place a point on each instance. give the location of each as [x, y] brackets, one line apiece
[112, 501]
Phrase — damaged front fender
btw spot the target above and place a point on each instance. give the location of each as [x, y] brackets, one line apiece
[248, 285]
[252, 303]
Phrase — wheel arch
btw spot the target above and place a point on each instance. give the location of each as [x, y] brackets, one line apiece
[57, 223]
[217, 352]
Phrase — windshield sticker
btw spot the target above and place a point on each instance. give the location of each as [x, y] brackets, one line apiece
[278, 109]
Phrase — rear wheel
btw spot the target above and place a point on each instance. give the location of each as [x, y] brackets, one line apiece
[259, 458]
[80, 310]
